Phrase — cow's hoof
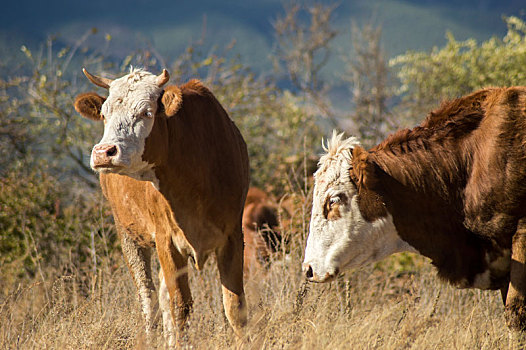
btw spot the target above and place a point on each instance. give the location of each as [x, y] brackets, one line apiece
[516, 317]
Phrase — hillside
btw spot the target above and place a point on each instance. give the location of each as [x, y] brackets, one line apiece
[169, 27]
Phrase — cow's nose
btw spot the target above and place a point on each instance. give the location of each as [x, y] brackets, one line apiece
[103, 155]
[111, 151]
[308, 271]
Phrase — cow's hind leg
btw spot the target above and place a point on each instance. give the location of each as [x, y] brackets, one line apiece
[230, 265]
[516, 297]
[174, 291]
[138, 259]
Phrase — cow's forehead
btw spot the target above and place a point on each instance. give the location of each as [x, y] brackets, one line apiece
[332, 174]
[138, 85]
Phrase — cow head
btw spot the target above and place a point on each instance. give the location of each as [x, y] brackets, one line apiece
[350, 225]
[129, 112]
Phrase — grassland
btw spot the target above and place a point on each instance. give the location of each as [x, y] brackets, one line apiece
[396, 304]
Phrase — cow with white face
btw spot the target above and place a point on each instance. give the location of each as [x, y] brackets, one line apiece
[347, 229]
[174, 168]
[128, 114]
[452, 188]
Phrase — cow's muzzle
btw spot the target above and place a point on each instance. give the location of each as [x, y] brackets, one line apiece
[311, 276]
[103, 156]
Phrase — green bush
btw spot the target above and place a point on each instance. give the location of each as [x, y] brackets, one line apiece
[46, 223]
[461, 67]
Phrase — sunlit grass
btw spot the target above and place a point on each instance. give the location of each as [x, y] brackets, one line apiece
[396, 304]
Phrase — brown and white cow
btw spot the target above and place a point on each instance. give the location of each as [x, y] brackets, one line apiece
[260, 230]
[174, 168]
[452, 189]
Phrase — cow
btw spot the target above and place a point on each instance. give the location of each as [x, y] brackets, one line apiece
[175, 171]
[260, 230]
[452, 189]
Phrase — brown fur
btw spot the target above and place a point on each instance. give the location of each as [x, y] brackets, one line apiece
[89, 105]
[260, 229]
[201, 164]
[171, 100]
[456, 185]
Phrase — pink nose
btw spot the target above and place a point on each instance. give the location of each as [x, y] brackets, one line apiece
[103, 155]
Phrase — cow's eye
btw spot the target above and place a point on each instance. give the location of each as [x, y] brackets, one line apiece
[334, 200]
[331, 209]
[148, 114]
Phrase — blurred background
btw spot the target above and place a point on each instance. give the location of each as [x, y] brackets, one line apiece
[288, 73]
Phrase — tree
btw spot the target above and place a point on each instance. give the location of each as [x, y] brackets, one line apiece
[459, 68]
[368, 77]
[302, 47]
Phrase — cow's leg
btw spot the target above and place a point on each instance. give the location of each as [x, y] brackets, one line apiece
[164, 303]
[139, 263]
[504, 293]
[230, 265]
[516, 298]
[174, 284]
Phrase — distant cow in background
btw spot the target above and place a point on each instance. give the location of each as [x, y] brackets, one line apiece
[174, 168]
[452, 189]
[260, 229]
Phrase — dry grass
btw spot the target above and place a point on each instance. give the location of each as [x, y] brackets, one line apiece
[377, 307]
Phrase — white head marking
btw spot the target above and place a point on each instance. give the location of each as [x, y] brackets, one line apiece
[128, 113]
[339, 235]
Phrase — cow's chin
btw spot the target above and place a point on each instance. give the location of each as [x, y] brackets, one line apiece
[137, 170]
[140, 173]
[108, 169]
[328, 277]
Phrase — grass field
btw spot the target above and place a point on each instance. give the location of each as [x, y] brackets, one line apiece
[398, 303]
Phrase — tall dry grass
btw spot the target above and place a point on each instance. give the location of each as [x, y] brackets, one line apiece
[396, 304]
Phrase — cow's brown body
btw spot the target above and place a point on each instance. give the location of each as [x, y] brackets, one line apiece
[260, 230]
[191, 207]
[456, 189]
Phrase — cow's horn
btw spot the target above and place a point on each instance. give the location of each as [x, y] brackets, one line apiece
[163, 78]
[102, 82]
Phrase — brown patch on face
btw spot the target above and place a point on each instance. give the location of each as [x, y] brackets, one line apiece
[331, 208]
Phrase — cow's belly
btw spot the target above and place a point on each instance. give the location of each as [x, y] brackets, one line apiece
[145, 213]
[496, 274]
[197, 238]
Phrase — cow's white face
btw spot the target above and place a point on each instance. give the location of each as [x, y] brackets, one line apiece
[128, 115]
[340, 237]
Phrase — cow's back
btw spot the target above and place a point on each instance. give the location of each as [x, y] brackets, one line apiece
[495, 193]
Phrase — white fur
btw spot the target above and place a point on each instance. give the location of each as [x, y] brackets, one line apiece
[164, 304]
[350, 241]
[126, 127]
[142, 280]
[498, 266]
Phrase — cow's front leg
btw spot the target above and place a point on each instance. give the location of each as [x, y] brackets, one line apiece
[174, 291]
[169, 331]
[230, 266]
[138, 259]
[516, 297]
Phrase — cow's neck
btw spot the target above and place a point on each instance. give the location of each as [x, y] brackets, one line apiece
[424, 197]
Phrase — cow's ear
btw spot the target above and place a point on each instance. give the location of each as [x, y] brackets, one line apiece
[363, 168]
[89, 105]
[171, 100]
